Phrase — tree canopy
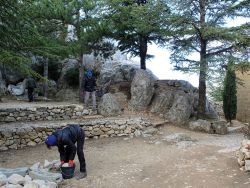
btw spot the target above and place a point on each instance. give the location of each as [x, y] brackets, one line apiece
[200, 27]
[135, 24]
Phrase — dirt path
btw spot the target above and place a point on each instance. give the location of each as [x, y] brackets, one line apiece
[206, 162]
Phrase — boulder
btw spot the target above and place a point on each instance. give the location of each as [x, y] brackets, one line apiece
[16, 179]
[219, 127]
[201, 125]
[113, 72]
[9, 171]
[18, 89]
[181, 109]
[108, 106]
[31, 185]
[142, 90]
[45, 175]
[3, 179]
[162, 102]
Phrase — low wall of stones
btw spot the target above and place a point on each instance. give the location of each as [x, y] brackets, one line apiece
[42, 113]
[32, 135]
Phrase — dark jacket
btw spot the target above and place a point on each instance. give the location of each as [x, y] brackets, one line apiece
[89, 84]
[68, 137]
[31, 83]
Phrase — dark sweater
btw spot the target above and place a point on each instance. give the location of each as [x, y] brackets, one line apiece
[68, 137]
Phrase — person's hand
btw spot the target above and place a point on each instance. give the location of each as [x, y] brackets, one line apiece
[71, 163]
[62, 162]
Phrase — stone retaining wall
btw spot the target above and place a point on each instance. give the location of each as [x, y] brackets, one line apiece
[32, 134]
[42, 113]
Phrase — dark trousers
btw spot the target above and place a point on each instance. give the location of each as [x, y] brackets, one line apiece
[80, 154]
[30, 94]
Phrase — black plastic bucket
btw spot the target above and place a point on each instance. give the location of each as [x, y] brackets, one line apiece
[68, 172]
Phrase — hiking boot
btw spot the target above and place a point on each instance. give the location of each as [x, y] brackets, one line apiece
[81, 175]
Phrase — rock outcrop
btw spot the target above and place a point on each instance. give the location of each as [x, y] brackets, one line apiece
[108, 105]
[142, 90]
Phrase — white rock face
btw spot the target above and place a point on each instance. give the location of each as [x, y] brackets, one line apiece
[3, 180]
[31, 185]
[13, 186]
[27, 179]
[35, 166]
[16, 179]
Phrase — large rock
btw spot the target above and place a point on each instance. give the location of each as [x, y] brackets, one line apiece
[45, 175]
[142, 90]
[18, 89]
[219, 127]
[9, 171]
[115, 71]
[181, 109]
[108, 106]
[201, 125]
[162, 102]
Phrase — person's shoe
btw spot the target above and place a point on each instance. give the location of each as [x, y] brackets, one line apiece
[81, 175]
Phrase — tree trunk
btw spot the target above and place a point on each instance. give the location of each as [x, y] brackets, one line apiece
[45, 75]
[143, 51]
[203, 65]
[81, 74]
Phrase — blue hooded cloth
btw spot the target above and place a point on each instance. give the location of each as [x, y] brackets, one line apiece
[51, 140]
[89, 74]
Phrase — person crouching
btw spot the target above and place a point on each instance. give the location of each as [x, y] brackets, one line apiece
[65, 139]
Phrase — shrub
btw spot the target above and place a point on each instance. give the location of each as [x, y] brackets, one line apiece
[72, 77]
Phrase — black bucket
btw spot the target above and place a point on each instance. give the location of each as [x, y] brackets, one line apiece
[68, 172]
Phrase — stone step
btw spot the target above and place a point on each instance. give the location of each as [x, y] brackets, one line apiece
[18, 135]
[42, 111]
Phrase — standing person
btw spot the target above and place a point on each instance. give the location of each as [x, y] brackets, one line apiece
[89, 88]
[65, 139]
[31, 85]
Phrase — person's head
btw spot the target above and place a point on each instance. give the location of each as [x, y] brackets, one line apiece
[51, 141]
[89, 74]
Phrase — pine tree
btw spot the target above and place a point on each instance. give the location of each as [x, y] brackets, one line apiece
[199, 28]
[229, 94]
[135, 24]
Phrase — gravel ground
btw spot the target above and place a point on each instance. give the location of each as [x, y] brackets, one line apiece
[161, 161]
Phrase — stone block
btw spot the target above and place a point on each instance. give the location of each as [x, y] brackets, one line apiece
[45, 175]
[9, 171]
[16, 179]
[3, 179]
[219, 127]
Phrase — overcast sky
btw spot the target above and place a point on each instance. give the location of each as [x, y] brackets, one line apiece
[160, 65]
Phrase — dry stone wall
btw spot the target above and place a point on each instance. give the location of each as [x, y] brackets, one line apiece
[42, 113]
[28, 134]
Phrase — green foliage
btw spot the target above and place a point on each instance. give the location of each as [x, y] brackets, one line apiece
[199, 30]
[229, 94]
[135, 26]
[72, 77]
[54, 69]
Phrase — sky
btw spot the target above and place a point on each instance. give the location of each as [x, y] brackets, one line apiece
[161, 67]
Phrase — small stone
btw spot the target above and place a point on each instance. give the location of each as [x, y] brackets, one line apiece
[3, 179]
[16, 179]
